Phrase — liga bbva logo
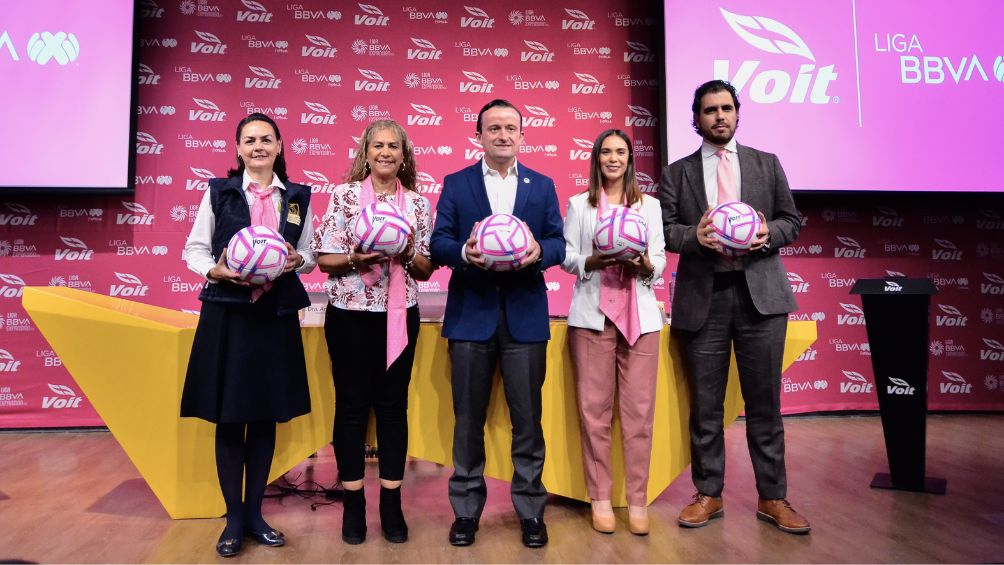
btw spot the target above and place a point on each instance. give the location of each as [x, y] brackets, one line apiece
[772, 85]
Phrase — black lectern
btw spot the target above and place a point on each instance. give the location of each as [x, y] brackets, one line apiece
[896, 317]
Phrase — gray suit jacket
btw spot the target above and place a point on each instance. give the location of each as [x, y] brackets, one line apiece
[684, 200]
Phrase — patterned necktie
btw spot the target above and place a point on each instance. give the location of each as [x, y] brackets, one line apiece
[726, 177]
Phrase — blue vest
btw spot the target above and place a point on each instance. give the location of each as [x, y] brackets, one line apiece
[232, 215]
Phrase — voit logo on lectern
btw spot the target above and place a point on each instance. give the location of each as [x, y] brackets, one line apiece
[900, 387]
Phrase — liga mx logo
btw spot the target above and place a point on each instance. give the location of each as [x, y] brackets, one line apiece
[770, 86]
[42, 47]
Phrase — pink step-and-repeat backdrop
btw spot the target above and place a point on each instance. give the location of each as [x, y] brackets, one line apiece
[325, 69]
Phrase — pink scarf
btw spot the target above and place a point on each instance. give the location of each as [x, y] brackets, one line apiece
[262, 214]
[397, 292]
[618, 294]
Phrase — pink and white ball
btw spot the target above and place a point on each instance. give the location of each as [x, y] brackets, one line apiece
[621, 233]
[382, 227]
[257, 253]
[736, 225]
[503, 241]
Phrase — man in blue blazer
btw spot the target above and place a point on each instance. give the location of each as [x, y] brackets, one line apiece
[497, 317]
[722, 302]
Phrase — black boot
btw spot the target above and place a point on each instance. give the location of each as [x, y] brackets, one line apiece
[395, 530]
[354, 516]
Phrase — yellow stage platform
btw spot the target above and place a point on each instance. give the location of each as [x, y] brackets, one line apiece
[130, 360]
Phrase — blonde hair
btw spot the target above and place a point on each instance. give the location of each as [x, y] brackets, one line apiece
[406, 174]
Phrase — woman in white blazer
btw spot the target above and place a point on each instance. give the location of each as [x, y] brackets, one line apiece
[615, 347]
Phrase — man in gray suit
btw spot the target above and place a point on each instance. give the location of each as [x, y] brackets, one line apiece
[723, 302]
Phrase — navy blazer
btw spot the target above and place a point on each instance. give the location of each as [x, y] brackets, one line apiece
[476, 295]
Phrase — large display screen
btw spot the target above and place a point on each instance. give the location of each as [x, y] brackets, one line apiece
[865, 95]
[66, 96]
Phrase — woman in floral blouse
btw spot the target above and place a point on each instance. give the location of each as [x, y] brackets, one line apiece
[372, 321]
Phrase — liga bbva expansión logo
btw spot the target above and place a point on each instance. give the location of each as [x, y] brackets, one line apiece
[806, 83]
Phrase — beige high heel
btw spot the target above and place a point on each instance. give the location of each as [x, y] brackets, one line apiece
[639, 525]
[603, 523]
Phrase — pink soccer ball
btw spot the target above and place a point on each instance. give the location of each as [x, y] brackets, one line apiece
[382, 227]
[257, 253]
[736, 224]
[503, 241]
[621, 233]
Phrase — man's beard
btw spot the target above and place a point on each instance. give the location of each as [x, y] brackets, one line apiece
[715, 139]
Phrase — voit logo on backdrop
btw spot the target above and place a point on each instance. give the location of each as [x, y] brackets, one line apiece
[201, 182]
[955, 384]
[75, 250]
[8, 364]
[255, 12]
[646, 183]
[993, 350]
[17, 215]
[208, 44]
[856, 383]
[371, 16]
[11, 286]
[65, 398]
[476, 83]
[131, 286]
[320, 183]
[792, 77]
[798, 285]
[853, 317]
[476, 18]
[950, 317]
[135, 215]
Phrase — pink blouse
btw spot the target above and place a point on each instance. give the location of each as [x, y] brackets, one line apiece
[334, 235]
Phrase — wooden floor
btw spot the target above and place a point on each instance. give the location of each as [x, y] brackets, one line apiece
[75, 497]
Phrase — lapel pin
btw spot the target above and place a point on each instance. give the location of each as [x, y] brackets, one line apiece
[526, 180]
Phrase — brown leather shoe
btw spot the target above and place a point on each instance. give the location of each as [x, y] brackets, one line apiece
[703, 509]
[780, 513]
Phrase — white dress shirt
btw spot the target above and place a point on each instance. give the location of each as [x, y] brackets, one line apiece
[501, 192]
[198, 253]
[710, 162]
[580, 226]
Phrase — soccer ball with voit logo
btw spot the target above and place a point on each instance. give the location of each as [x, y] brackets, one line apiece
[503, 241]
[736, 225]
[382, 227]
[257, 253]
[621, 233]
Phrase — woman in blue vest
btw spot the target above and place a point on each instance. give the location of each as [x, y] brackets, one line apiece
[247, 371]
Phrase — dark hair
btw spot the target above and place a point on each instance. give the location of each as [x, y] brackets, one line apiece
[279, 168]
[499, 103]
[406, 173]
[632, 193]
[711, 87]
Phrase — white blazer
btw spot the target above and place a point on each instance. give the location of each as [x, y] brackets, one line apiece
[580, 224]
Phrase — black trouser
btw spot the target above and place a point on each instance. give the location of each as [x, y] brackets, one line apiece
[733, 321]
[523, 366]
[357, 343]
